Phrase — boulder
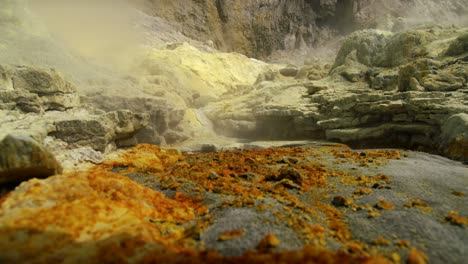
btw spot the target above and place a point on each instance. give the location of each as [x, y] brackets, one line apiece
[5, 79]
[22, 158]
[35, 90]
[31, 125]
[23, 100]
[367, 44]
[41, 82]
[29, 103]
[312, 72]
[60, 102]
[454, 137]
[352, 70]
[385, 80]
[125, 123]
[83, 132]
[97, 131]
[162, 115]
[406, 46]
[442, 81]
[289, 71]
[458, 46]
[418, 69]
[385, 49]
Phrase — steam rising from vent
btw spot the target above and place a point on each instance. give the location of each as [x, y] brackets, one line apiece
[100, 30]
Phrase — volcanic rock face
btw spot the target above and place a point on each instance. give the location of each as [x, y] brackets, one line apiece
[257, 28]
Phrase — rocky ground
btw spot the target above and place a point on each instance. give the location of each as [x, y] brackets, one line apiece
[161, 147]
[325, 203]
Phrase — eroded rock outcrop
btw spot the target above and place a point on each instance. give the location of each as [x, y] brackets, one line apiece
[99, 131]
[384, 89]
[412, 88]
[36, 90]
[41, 104]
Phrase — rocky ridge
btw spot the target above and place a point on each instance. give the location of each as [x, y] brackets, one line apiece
[259, 28]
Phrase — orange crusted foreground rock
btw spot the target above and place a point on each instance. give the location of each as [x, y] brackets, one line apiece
[308, 254]
[268, 242]
[417, 257]
[75, 215]
[147, 158]
[101, 217]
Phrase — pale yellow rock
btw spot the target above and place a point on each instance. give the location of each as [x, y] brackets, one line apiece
[203, 76]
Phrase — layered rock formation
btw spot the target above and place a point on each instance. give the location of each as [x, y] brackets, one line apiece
[41, 105]
[384, 89]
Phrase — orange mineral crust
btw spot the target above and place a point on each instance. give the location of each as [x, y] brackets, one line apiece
[102, 216]
[87, 206]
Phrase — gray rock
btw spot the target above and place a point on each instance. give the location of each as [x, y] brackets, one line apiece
[29, 103]
[83, 132]
[458, 46]
[23, 100]
[60, 102]
[406, 46]
[289, 71]
[149, 135]
[99, 131]
[352, 70]
[31, 125]
[159, 117]
[442, 81]
[41, 81]
[417, 69]
[315, 87]
[338, 122]
[34, 90]
[377, 132]
[312, 72]
[386, 80]
[454, 137]
[22, 158]
[125, 123]
[414, 85]
[172, 136]
[367, 44]
[6, 82]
